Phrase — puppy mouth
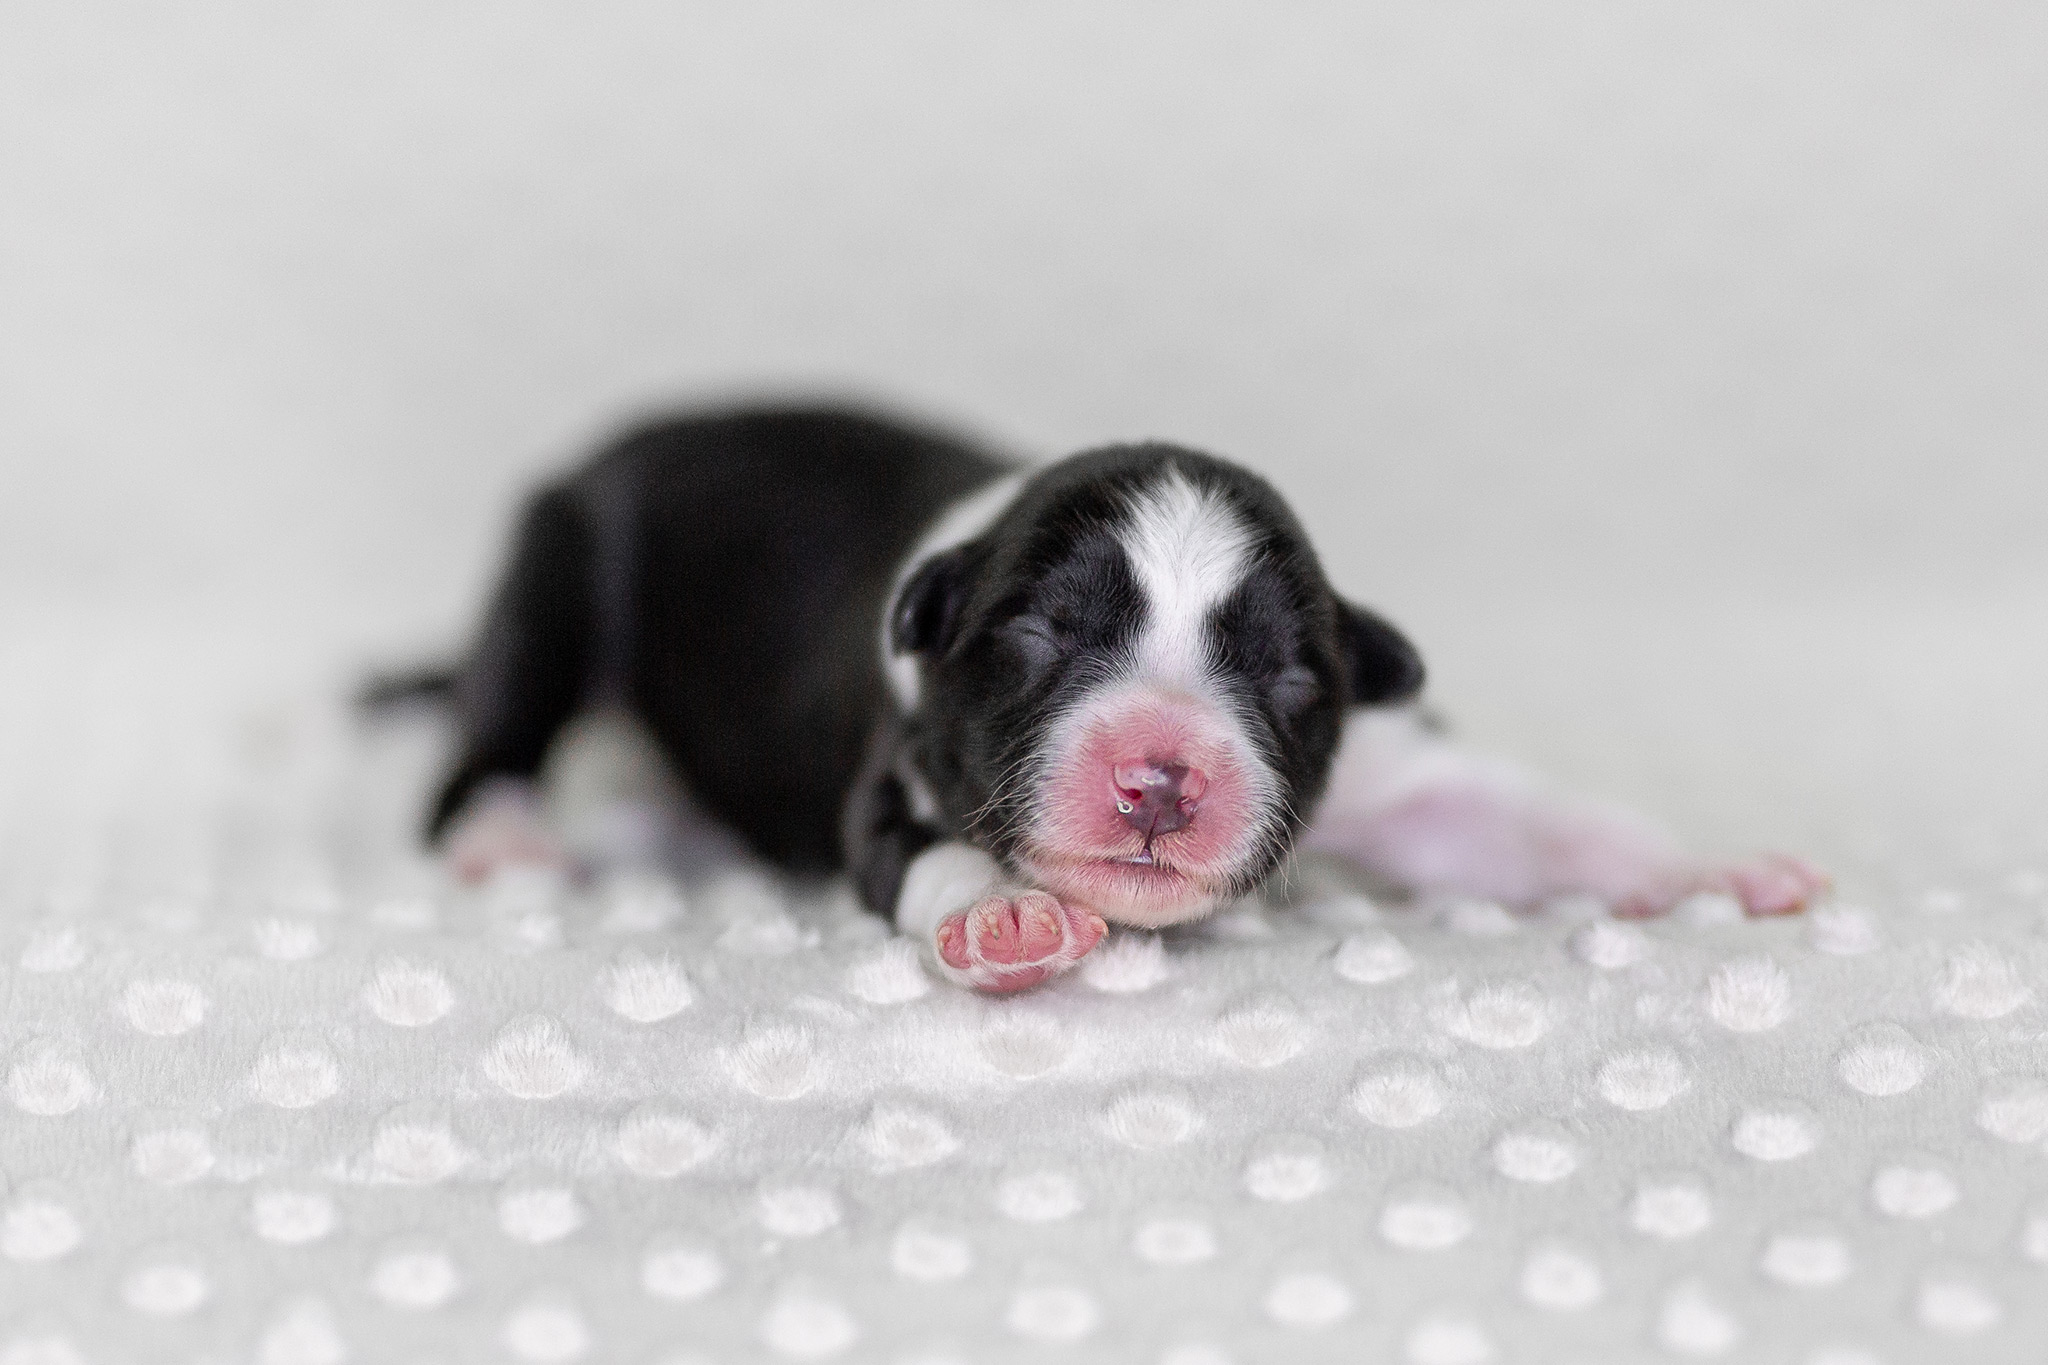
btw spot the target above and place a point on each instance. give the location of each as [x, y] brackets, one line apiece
[1141, 889]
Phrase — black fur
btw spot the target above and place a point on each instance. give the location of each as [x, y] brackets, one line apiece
[726, 578]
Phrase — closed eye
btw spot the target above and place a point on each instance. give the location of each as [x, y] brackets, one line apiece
[1295, 689]
[1037, 640]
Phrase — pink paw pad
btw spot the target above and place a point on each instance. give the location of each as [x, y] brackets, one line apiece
[1775, 884]
[1011, 943]
[501, 835]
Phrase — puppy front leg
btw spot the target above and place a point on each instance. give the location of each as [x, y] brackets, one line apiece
[986, 931]
[1413, 808]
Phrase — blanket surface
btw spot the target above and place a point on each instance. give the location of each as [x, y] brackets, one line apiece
[272, 1090]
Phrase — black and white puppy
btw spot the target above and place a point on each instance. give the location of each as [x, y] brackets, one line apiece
[1017, 705]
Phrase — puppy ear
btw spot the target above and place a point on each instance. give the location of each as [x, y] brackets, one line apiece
[927, 607]
[1384, 666]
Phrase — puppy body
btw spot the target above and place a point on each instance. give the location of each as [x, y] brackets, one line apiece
[720, 577]
[1015, 705]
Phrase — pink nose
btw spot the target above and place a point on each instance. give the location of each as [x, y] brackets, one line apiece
[1156, 798]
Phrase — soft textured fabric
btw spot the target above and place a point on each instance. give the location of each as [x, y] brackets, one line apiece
[275, 1092]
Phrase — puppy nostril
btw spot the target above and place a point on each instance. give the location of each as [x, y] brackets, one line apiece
[1154, 798]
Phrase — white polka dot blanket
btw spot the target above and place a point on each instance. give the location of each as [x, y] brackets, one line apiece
[276, 1092]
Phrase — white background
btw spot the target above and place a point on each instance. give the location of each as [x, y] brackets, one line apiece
[1644, 360]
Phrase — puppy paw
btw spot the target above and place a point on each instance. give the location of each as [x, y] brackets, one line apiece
[1775, 884]
[1011, 943]
[499, 831]
[1770, 884]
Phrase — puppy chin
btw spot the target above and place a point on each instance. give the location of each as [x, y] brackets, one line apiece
[1124, 893]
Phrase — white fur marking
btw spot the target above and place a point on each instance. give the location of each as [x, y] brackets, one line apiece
[1189, 550]
[957, 525]
[943, 880]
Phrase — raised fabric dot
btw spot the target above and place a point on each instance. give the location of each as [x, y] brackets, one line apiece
[1448, 1341]
[1024, 1045]
[164, 1009]
[1643, 1080]
[1806, 1260]
[1287, 1171]
[1609, 944]
[1399, 1092]
[1561, 1280]
[642, 905]
[1052, 1313]
[680, 1271]
[172, 1156]
[1148, 1120]
[1501, 1015]
[46, 1083]
[1372, 958]
[292, 1217]
[1749, 995]
[1124, 964]
[807, 1327]
[408, 995]
[533, 1059]
[1774, 1135]
[798, 1210]
[899, 1138]
[922, 1252]
[287, 940]
[1262, 1033]
[1691, 1323]
[1980, 982]
[302, 1333]
[1534, 1156]
[414, 1279]
[1916, 1191]
[2015, 1111]
[295, 1076]
[1308, 1299]
[1671, 1209]
[1956, 1306]
[1424, 1218]
[2034, 1237]
[1881, 1060]
[1039, 1197]
[546, 1333]
[890, 975]
[416, 1152]
[538, 1214]
[647, 989]
[34, 1229]
[661, 1145]
[774, 1061]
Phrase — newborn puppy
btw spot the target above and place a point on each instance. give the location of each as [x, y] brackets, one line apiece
[1017, 705]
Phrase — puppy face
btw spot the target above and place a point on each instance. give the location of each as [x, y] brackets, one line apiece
[1127, 678]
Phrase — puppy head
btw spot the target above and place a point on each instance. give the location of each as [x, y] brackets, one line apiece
[1125, 677]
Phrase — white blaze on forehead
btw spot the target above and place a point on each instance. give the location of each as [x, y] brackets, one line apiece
[1189, 549]
[955, 526]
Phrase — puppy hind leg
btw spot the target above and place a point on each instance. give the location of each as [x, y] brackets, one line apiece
[526, 677]
[1417, 810]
